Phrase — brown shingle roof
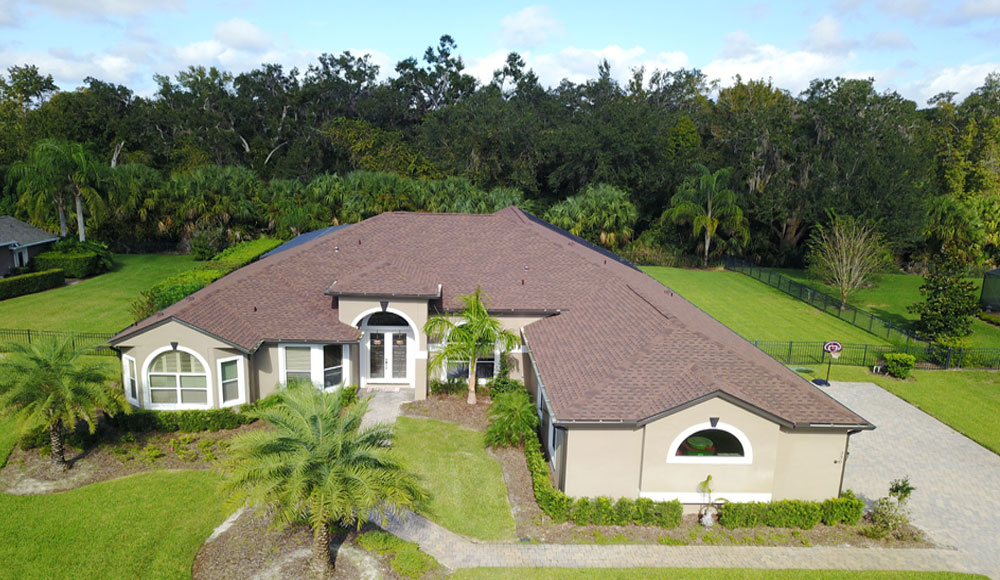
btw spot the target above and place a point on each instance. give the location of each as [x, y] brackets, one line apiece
[621, 347]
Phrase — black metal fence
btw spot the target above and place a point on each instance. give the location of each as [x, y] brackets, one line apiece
[868, 355]
[852, 315]
[96, 340]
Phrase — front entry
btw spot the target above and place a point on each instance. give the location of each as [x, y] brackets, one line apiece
[387, 356]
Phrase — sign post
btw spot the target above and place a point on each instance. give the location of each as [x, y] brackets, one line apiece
[833, 348]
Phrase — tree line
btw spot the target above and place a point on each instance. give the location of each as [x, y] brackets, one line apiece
[280, 151]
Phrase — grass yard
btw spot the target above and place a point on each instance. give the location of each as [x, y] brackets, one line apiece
[8, 438]
[755, 310]
[697, 574]
[98, 304]
[967, 401]
[145, 526]
[468, 495]
[889, 299]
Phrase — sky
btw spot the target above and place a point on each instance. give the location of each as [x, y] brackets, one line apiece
[918, 48]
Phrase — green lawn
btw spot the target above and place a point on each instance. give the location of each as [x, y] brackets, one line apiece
[8, 437]
[755, 310]
[967, 401]
[98, 304]
[468, 495]
[696, 574]
[146, 526]
[890, 297]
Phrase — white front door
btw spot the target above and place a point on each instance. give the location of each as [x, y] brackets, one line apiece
[387, 355]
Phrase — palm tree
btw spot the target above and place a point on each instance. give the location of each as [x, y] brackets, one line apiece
[601, 214]
[474, 335]
[56, 166]
[317, 464]
[47, 384]
[706, 202]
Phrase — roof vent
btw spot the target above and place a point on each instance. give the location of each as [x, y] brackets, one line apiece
[255, 309]
[336, 249]
[714, 421]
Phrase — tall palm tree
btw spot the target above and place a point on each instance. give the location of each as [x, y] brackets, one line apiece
[475, 333]
[47, 384]
[709, 205]
[317, 464]
[55, 167]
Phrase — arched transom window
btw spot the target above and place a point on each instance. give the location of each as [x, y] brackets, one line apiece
[720, 443]
[177, 378]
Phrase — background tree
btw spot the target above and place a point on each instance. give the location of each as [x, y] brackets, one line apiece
[950, 301]
[705, 201]
[602, 214]
[846, 254]
[318, 465]
[47, 384]
[473, 334]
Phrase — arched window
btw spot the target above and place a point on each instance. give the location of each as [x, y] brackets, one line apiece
[706, 443]
[177, 377]
[385, 319]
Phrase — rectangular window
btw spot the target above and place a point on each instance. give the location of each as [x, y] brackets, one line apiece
[229, 375]
[298, 363]
[129, 379]
[333, 361]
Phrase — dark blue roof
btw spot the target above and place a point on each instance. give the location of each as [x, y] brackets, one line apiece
[303, 238]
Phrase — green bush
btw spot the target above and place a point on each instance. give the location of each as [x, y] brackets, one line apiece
[349, 394]
[789, 513]
[580, 512]
[991, 317]
[602, 512]
[624, 511]
[512, 419]
[666, 514]
[847, 508]
[407, 559]
[945, 350]
[242, 254]
[899, 364]
[187, 421]
[28, 283]
[453, 386]
[77, 259]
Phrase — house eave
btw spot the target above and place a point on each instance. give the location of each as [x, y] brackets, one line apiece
[118, 340]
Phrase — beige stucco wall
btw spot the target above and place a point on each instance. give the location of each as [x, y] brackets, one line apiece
[602, 462]
[265, 371]
[143, 345]
[809, 464]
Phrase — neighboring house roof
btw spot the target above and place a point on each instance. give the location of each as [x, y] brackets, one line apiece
[14, 232]
[616, 346]
[303, 238]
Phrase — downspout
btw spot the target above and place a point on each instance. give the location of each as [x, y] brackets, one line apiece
[843, 462]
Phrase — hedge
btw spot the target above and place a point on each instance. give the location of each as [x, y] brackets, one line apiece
[899, 364]
[188, 421]
[177, 287]
[28, 283]
[600, 511]
[75, 264]
[792, 513]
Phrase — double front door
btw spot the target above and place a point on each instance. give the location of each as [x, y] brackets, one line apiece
[387, 355]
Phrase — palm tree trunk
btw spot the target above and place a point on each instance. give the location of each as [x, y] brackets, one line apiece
[79, 216]
[62, 219]
[56, 445]
[472, 382]
[321, 552]
[708, 242]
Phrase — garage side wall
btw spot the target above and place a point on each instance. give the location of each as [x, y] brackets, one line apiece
[602, 462]
[809, 464]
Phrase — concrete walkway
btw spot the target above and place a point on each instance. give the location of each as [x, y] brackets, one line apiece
[957, 481]
[385, 405]
[877, 457]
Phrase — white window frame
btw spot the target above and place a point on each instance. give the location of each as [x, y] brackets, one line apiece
[747, 458]
[241, 381]
[345, 366]
[20, 257]
[127, 375]
[315, 363]
[210, 403]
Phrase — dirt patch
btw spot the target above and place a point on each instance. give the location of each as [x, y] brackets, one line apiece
[115, 455]
[452, 408]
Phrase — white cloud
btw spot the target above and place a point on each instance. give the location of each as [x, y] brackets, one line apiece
[738, 44]
[529, 27]
[69, 68]
[975, 9]
[890, 39]
[102, 8]
[789, 70]
[9, 14]
[962, 79]
[242, 35]
[826, 36]
[906, 8]
[579, 65]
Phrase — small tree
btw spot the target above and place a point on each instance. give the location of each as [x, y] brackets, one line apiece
[950, 301]
[706, 202]
[475, 334]
[318, 465]
[47, 384]
[846, 254]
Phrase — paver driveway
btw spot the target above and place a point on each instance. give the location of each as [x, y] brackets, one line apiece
[957, 497]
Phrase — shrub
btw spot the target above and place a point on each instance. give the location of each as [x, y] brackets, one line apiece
[29, 283]
[602, 512]
[945, 350]
[990, 317]
[188, 421]
[512, 419]
[624, 511]
[349, 394]
[789, 513]
[206, 242]
[77, 259]
[580, 512]
[666, 514]
[847, 508]
[453, 386]
[242, 254]
[502, 383]
[899, 364]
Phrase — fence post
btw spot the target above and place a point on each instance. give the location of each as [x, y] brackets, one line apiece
[789, 353]
[756, 342]
[864, 358]
[947, 362]
[29, 336]
[854, 321]
[961, 353]
[871, 322]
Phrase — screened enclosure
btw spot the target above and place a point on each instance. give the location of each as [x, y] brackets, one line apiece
[990, 298]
